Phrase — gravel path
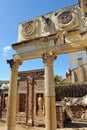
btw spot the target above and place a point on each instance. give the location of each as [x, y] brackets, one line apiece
[23, 127]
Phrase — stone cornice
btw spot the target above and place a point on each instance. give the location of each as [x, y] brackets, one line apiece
[30, 42]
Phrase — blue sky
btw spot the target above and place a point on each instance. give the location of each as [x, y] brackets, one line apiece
[13, 12]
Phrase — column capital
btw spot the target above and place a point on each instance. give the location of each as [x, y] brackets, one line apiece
[14, 63]
[49, 57]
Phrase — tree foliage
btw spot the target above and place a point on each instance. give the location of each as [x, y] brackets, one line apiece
[73, 90]
[57, 80]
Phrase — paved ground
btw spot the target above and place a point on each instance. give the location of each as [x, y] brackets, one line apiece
[23, 127]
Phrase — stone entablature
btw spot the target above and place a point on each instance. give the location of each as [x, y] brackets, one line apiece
[60, 20]
[62, 31]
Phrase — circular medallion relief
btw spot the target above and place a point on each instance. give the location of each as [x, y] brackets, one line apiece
[65, 17]
[28, 29]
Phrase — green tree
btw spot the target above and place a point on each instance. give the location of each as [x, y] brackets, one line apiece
[57, 80]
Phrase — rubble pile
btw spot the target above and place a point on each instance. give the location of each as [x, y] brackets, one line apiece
[76, 108]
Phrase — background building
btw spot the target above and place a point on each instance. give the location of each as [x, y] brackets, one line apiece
[73, 59]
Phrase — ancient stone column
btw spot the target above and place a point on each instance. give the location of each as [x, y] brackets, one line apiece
[50, 107]
[83, 4]
[12, 97]
[27, 102]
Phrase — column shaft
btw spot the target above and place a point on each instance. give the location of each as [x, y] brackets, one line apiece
[12, 97]
[50, 115]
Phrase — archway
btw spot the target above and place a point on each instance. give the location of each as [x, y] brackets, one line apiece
[45, 37]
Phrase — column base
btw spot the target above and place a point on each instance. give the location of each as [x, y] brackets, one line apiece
[10, 128]
[50, 118]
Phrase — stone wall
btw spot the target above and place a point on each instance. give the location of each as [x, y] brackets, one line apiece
[32, 84]
[30, 87]
[76, 108]
[77, 113]
[60, 116]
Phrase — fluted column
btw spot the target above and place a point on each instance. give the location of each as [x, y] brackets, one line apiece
[50, 108]
[12, 97]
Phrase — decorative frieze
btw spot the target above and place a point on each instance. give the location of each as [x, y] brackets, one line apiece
[54, 22]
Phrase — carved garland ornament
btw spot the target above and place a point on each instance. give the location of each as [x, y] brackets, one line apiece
[28, 29]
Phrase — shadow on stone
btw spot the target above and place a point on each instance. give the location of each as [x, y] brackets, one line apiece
[75, 125]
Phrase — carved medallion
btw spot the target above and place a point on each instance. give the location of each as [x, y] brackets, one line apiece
[65, 17]
[28, 29]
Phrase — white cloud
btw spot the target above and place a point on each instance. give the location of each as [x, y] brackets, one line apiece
[6, 50]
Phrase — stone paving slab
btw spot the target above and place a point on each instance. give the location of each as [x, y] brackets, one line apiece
[23, 127]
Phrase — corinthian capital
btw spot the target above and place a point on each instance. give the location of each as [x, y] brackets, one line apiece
[14, 63]
[49, 57]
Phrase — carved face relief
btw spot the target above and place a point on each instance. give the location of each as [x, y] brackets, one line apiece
[65, 17]
[28, 29]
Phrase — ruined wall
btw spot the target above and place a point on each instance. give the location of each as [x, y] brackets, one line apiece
[77, 113]
[29, 111]
[31, 84]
